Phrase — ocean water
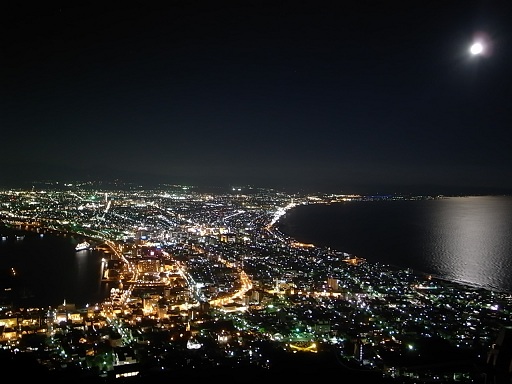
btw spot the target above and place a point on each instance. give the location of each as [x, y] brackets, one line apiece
[464, 239]
[43, 269]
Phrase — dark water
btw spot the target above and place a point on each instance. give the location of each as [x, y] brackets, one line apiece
[43, 269]
[466, 239]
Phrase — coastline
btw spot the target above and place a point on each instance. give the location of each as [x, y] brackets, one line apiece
[368, 288]
[277, 223]
[48, 269]
[305, 223]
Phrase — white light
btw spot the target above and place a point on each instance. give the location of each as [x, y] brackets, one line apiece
[476, 48]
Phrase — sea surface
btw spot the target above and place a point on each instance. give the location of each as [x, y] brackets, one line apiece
[463, 239]
[44, 269]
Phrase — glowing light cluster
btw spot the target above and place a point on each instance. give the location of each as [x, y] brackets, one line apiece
[476, 48]
[481, 45]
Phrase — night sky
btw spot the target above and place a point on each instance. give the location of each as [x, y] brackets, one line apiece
[341, 96]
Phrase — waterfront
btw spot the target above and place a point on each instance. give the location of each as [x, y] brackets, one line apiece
[235, 279]
[44, 269]
[464, 239]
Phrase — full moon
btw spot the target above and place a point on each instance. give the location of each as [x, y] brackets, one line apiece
[476, 48]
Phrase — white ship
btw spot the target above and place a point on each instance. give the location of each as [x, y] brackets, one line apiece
[83, 245]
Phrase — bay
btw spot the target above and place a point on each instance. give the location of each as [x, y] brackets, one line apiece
[463, 239]
[44, 270]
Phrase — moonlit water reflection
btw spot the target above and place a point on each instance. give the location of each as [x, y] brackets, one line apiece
[471, 239]
[466, 239]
